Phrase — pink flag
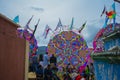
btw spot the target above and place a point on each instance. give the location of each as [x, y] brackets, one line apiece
[46, 31]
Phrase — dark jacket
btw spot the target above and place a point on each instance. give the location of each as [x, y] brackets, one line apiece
[53, 59]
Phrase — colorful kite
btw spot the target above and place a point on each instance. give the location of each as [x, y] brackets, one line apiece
[29, 36]
[69, 47]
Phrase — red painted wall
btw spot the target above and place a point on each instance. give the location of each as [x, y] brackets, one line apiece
[12, 51]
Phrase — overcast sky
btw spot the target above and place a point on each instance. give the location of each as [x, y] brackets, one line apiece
[49, 12]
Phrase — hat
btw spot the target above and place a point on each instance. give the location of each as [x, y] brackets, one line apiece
[74, 75]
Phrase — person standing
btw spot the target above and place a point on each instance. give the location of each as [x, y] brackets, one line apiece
[68, 68]
[48, 73]
[41, 60]
[53, 60]
[87, 72]
[45, 60]
[39, 73]
[34, 63]
[92, 71]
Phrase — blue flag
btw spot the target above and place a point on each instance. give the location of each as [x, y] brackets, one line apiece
[71, 26]
[16, 19]
[114, 19]
[113, 6]
[106, 21]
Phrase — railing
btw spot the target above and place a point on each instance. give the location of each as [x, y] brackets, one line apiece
[108, 29]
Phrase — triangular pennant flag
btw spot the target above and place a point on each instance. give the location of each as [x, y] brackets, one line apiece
[113, 6]
[16, 19]
[106, 21]
[59, 25]
[103, 12]
[35, 29]
[46, 31]
[46, 27]
[71, 26]
[82, 27]
[27, 25]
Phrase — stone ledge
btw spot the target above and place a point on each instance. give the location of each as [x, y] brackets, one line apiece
[111, 57]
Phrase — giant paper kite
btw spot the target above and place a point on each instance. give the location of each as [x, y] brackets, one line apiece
[69, 47]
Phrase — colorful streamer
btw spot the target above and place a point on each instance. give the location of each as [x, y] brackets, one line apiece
[24, 33]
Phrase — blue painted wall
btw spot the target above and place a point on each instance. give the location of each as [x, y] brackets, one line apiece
[106, 71]
[110, 43]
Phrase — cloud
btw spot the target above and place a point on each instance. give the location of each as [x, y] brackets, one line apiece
[41, 40]
[37, 8]
[91, 30]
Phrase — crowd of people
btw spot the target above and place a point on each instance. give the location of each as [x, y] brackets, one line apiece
[46, 69]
